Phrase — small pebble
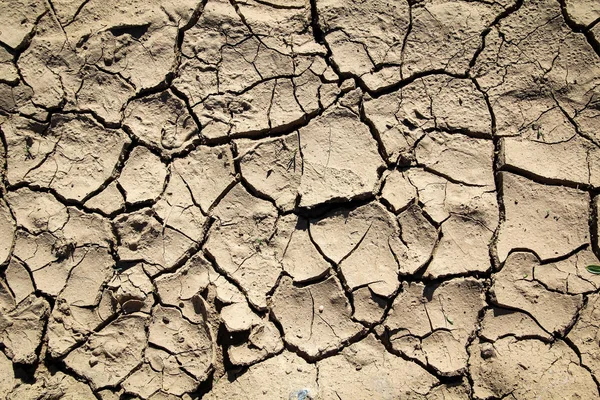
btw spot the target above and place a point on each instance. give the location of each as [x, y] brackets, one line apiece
[321, 308]
[487, 351]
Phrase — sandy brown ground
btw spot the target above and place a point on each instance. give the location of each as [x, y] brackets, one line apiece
[294, 199]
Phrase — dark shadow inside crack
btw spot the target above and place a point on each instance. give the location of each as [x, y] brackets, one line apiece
[135, 31]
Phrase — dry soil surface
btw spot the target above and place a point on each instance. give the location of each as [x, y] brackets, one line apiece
[299, 199]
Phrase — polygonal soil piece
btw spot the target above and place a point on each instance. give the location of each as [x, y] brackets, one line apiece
[7, 375]
[108, 201]
[21, 325]
[7, 67]
[398, 191]
[51, 275]
[225, 291]
[433, 323]
[419, 237]
[135, 42]
[85, 228]
[18, 19]
[441, 198]
[436, 102]
[191, 344]
[27, 146]
[7, 231]
[358, 42]
[315, 318]
[18, 280]
[263, 341]
[51, 278]
[50, 382]
[143, 176]
[451, 391]
[278, 20]
[132, 289]
[500, 322]
[103, 94]
[177, 209]
[208, 172]
[83, 158]
[37, 211]
[548, 220]
[160, 372]
[462, 248]
[366, 370]
[239, 243]
[82, 289]
[570, 275]
[585, 334]
[276, 378]
[368, 306]
[70, 325]
[574, 160]
[337, 166]
[273, 167]
[36, 251]
[238, 317]
[515, 286]
[583, 12]
[161, 121]
[143, 237]
[8, 70]
[111, 354]
[51, 70]
[432, 191]
[183, 288]
[529, 369]
[459, 157]
[362, 241]
[298, 256]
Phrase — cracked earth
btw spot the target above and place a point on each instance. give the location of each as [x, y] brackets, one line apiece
[294, 199]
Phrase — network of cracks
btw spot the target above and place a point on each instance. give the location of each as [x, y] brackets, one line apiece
[293, 199]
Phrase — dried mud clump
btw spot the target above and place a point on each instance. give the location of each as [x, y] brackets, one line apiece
[299, 199]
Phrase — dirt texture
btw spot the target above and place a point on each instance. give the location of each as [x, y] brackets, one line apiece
[299, 199]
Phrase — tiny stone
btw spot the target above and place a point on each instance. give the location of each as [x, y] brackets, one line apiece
[487, 351]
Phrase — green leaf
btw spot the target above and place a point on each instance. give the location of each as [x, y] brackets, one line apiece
[593, 269]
